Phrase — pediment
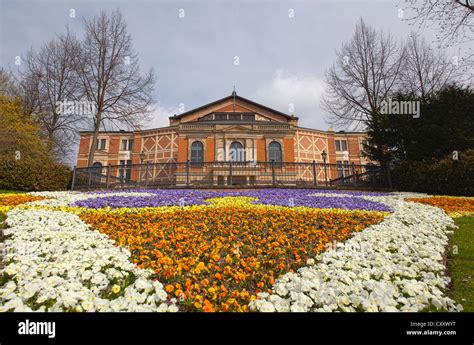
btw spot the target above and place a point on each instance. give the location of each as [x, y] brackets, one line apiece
[235, 105]
[236, 128]
[231, 107]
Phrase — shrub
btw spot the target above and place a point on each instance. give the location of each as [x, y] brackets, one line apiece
[33, 174]
[437, 176]
[25, 161]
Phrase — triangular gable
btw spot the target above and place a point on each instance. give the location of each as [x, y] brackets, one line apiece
[235, 128]
[230, 108]
[228, 104]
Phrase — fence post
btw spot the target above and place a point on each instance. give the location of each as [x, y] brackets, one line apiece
[230, 173]
[146, 173]
[373, 177]
[187, 172]
[73, 178]
[107, 180]
[354, 176]
[315, 176]
[273, 172]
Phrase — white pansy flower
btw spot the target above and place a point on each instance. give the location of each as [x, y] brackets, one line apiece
[66, 262]
[395, 265]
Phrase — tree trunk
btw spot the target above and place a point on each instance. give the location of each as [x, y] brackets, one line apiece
[50, 141]
[93, 147]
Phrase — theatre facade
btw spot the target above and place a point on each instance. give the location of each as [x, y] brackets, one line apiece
[232, 129]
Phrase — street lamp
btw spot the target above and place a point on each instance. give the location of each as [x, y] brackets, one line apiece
[324, 155]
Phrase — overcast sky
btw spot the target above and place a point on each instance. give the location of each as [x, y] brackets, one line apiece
[282, 59]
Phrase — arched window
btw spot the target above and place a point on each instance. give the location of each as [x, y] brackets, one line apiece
[274, 151]
[197, 152]
[236, 152]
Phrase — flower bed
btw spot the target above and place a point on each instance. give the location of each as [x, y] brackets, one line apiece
[17, 199]
[279, 197]
[56, 263]
[263, 250]
[392, 266]
[454, 206]
[8, 201]
[219, 258]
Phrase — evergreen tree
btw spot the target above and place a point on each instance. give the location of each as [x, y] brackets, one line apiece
[445, 125]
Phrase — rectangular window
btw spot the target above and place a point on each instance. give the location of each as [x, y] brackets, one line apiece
[235, 117]
[220, 117]
[346, 168]
[340, 172]
[125, 169]
[127, 145]
[341, 145]
[343, 168]
[248, 117]
[101, 144]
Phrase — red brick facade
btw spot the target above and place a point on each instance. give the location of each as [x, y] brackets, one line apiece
[221, 125]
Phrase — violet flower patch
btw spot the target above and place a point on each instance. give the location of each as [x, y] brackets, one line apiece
[279, 197]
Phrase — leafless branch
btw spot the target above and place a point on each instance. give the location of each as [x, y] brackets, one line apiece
[108, 69]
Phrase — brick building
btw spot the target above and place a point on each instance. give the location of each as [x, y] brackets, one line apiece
[230, 129]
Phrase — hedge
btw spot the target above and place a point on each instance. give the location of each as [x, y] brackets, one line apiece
[33, 174]
[437, 176]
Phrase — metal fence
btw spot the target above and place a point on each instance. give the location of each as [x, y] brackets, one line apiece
[230, 174]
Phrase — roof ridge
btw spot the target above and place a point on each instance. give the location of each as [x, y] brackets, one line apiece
[292, 117]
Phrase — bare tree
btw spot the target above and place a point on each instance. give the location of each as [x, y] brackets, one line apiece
[110, 77]
[49, 83]
[425, 71]
[453, 18]
[453, 21]
[8, 85]
[29, 85]
[7, 92]
[366, 72]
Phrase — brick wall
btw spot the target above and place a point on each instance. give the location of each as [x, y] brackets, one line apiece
[210, 149]
[261, 150]
[288, 150]
[182, 150]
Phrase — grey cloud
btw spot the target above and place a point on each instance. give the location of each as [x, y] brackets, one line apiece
[193, 56]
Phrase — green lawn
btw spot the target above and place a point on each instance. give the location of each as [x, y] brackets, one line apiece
[462, 263]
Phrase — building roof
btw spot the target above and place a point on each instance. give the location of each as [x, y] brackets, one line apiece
[331, 131]
[115, 131]
[234, 94]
